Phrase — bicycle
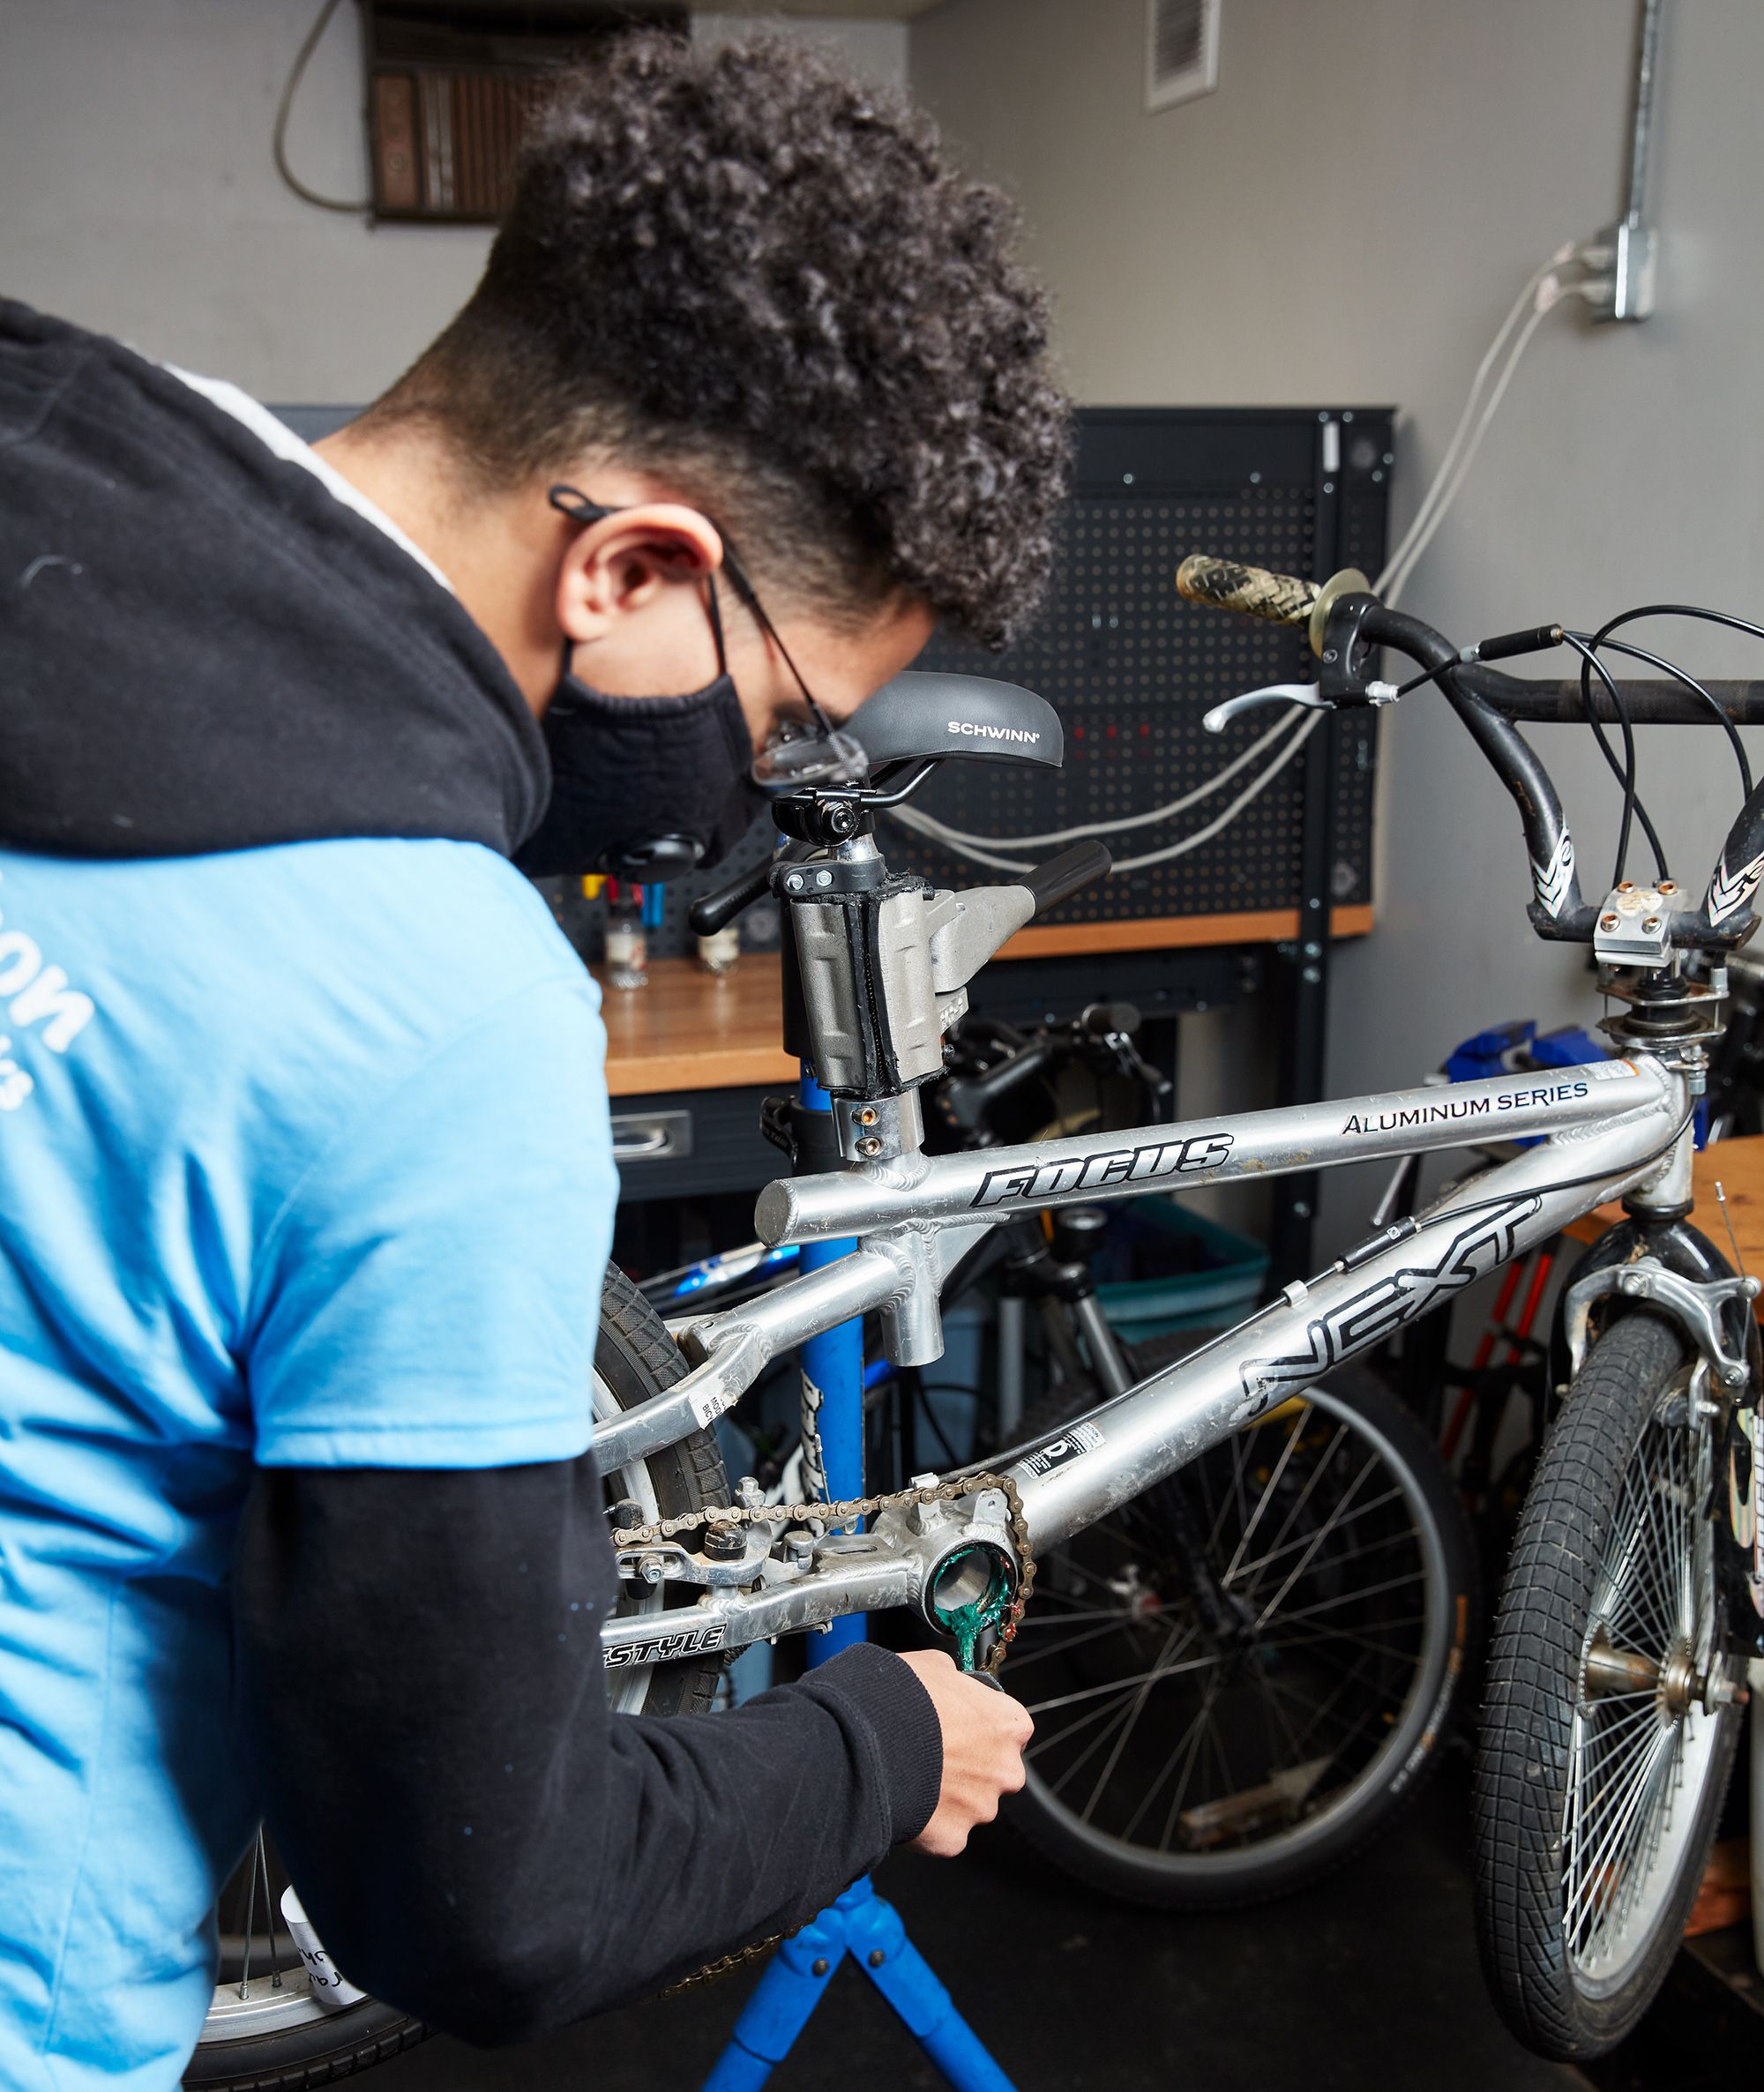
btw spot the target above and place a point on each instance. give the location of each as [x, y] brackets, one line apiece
[1661, 1327]
[1253, 1768]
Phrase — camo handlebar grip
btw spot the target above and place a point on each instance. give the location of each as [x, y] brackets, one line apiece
[1222, 584]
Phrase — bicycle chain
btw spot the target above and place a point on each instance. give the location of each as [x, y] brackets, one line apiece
[840, 1514]
[848, 1512]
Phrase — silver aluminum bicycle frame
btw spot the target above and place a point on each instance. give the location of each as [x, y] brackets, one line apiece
[1606, 1129]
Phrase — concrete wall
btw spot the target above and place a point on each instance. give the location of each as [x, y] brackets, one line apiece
[876, 50]
[137, 194]
[1348, 217]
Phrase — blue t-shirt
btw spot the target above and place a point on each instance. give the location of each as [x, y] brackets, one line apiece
[304, 1161]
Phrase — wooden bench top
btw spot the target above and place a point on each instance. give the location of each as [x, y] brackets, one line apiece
[688, 1029]
[1738, 1167]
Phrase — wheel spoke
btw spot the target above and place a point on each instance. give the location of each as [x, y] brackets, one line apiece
[1325, 1710]
[1274, 1713]
[1268, 1488]
[1032, 1625]
[1320, 1466]
[1310, 1642]
[1039, 1706]
[1120, 1744]
[1335, 1561]
[1308, 1612]
[1317, 1538]
[1174, 1815]
[1021, 1658]
[1606, 1788]
[1593, 1864]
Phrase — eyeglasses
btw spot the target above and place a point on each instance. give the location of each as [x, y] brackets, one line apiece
[798, 754]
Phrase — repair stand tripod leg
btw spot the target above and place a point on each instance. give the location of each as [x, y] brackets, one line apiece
[859, 1924]
[868, 1929]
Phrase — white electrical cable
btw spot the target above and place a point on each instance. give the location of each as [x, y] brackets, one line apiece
[974, 849]
[1418, 522]
[929, 825]
[1223, 820]
[1396, 576]
[1543, 290]
[285, 108]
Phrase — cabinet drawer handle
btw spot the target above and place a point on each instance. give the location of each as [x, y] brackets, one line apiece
[651, 1143]
[652, 1136]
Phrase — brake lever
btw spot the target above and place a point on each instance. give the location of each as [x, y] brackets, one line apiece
[1308, 694]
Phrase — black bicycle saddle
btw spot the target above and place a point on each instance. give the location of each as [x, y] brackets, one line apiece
[927, 714]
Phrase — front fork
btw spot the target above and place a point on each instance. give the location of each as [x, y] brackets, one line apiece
[1677, 1271]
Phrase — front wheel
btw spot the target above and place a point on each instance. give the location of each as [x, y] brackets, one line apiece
[1613, 1712]
[1239, 1676]
[265, 2031]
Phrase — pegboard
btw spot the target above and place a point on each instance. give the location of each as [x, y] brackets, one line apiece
[1131, 668]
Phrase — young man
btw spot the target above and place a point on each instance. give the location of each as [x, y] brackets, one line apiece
[306, 1184]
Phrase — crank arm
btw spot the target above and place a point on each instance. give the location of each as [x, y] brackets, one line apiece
[864, 1574]
[916, 1556]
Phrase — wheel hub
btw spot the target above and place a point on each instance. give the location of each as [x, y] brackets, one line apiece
[1674, 1681]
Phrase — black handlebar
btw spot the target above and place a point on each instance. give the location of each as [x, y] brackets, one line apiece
[1050, 883]
[967, 1102]
[1490, 704]
[712, 911]
[1648, 704]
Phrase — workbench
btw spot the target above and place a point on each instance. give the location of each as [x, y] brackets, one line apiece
[1738, 1167]
[689, 1056]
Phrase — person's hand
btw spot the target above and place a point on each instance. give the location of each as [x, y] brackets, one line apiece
[984, 1732]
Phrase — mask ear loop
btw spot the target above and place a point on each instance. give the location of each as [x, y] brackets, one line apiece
[572, 501]
[716, 623]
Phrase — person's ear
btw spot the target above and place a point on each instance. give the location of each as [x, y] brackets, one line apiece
[622, 565]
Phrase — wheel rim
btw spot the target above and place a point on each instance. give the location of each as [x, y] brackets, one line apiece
[1319, 1533]
[263, 1989]
[1641, 1751]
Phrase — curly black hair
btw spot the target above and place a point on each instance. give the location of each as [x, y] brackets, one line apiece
[742, 267]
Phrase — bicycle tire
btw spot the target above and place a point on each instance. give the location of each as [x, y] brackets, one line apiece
[1302, 1848]
[634, 1358]
[1574, 1562]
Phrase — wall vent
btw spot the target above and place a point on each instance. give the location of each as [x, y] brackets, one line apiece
[451, 84]
[1182, 50]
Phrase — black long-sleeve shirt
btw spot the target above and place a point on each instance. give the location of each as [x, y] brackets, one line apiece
[205, 653]
[476, 1837]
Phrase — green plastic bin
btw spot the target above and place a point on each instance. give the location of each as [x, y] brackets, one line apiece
[1185, 1272]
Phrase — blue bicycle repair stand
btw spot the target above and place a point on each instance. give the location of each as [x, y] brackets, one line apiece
[859, 1924]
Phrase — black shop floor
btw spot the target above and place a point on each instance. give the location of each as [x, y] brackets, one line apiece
[1369, 1980]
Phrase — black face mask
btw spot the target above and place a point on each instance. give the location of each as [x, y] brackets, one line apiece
[643, 787]
[648, 788]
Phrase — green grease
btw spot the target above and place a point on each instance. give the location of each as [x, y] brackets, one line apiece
[967, 1623]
